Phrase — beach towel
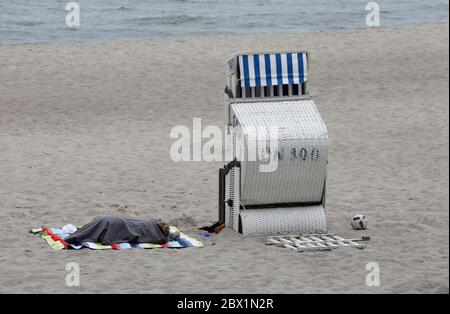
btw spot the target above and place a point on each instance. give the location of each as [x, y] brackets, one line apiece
[55, 239]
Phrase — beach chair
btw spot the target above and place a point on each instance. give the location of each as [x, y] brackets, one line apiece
[266, 92]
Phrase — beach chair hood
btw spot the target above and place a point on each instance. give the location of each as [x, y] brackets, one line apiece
[259, 70]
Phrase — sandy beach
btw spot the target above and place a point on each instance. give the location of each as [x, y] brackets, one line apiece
[85, 128]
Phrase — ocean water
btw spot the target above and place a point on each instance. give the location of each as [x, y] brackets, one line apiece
[30, 21]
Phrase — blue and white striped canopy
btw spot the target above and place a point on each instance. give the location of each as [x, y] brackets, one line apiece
[273, 69]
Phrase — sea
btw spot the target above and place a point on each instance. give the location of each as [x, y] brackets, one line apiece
[37, 21]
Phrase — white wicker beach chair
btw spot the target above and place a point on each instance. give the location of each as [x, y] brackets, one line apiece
[266, 91]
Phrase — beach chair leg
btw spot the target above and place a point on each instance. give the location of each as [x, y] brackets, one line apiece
[223, 172]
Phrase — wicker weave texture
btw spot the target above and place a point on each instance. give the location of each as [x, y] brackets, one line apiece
[300, 153]
[271, 221]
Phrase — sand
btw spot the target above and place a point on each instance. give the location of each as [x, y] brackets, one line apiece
[85, 128]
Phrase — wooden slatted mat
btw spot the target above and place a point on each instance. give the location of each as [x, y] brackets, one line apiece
[315, 242]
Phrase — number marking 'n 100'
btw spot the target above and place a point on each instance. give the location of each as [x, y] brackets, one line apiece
[302, 154]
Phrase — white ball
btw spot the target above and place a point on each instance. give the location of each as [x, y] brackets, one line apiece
[359, 222]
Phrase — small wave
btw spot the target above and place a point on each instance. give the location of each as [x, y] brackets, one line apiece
[122, 8]
[167, 20]
[26, 23]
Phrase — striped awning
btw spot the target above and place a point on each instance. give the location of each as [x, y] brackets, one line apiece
[273, 69]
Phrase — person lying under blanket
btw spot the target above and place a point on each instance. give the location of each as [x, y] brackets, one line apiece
[109, 230]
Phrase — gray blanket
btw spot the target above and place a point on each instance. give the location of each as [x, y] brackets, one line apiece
[108, 230]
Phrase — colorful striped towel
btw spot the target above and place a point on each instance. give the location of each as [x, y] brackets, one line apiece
[55, 238]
